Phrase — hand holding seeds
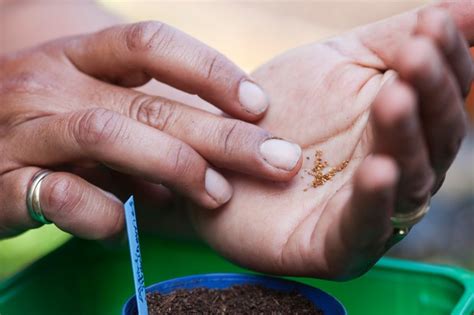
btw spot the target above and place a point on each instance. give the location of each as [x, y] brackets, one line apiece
[379, 114]
[67, 105]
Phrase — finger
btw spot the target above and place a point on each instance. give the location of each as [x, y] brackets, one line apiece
[121, 185]
[442, 115]
[131, 54]
[383, 38]
[158, 209]
[73, 204]
[226, 143]
[463, 15]
[398, 134]
[437, 25]
[14, 217]
[360, 231]
[124, 145]
[161, 212]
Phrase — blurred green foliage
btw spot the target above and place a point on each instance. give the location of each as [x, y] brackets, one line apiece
[18, 252]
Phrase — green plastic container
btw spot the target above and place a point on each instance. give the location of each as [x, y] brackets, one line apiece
[88, 278]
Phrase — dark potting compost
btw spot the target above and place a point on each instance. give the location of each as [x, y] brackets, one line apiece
[238, 299]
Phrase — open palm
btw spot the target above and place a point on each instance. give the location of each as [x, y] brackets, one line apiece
[386, 97]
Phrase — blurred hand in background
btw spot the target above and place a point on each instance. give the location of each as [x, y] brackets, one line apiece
[388, 98]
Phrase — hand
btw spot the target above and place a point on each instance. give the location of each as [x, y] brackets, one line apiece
[67, 106]
[387, 98]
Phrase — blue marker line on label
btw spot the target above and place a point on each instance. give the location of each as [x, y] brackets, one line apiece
[135, 255]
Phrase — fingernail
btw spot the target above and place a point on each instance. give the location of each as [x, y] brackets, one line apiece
[252, 97]
[280, 153]
[112, 196]
[217, 186]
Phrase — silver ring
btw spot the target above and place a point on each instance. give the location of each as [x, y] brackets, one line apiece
[33, 203]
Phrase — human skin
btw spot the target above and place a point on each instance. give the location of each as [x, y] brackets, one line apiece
[331, 97]
[388, 97]
[68, 105]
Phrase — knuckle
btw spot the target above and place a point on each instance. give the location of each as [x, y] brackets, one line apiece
[446, 147]
[180, 157]
[61, 196]
[233, 134]
[146, 36]
[419, 185]
[213, 65]
[157, 112]
[96, 126]
[24, 82]
[451, 149]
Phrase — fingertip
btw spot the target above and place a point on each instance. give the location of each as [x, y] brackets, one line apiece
[394, 104]
[371, 203]
[114, 229]
[378, 173]
[281, 154]
[252, 98]
[437, 24]
[418, 59]
[218, 188]
[112, 197]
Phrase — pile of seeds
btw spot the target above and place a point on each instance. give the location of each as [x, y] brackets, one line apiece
[319, 176]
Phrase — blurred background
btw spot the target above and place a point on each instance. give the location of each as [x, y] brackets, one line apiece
[252, 32]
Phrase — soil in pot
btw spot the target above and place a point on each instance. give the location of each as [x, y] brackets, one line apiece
[238, 299]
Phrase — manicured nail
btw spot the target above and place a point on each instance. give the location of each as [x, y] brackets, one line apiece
[252, 97]
[217, 186]
[280, 153]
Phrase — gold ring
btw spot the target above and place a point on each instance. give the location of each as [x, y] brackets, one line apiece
[33, 203]
[403, 222]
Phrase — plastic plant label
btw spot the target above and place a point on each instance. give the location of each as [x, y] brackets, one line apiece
[135, 255]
